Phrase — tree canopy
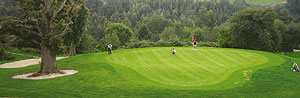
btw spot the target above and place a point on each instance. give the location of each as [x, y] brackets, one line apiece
[43, 23]
[258, 29]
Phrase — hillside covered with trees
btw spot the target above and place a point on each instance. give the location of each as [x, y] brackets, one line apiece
[173, 22]
[155, 23]
[245, 48]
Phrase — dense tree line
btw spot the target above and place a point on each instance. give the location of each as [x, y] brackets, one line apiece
[166, 22]
[160, 20]
[265, 29]
[144, 23]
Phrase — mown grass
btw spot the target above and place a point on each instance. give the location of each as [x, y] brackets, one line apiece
[186, 68]
[292, 54]
[98, 77]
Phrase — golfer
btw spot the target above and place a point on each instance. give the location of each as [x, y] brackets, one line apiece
[173, 51]
[195, 44]
[109, 48]
[295, 67]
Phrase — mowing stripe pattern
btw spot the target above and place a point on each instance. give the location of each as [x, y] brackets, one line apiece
[204, 66]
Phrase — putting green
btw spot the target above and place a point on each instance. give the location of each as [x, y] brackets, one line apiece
[204, 66]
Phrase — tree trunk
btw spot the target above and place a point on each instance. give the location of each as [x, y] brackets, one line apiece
[48, 64]
[72, 51]
[2, 52]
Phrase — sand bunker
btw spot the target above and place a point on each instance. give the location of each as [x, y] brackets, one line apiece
[48, 76]
[24, 63]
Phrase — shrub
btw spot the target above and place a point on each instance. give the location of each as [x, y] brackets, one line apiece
[110, 39]
[207, 44]
[140, 44]
[162, 43]
[177, 43]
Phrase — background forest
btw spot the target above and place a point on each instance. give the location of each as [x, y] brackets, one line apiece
[162, 23]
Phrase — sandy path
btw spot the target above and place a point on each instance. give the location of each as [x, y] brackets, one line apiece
[296, 50]
[24, 63]
[49, 76]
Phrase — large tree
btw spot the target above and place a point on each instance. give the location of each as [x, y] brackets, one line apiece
[168, 34]
[123, 32]
[157, 24]
[283, 14]
[143, 32]
[252, 29]
[44, 22]
[201, 17]
[211, 21]
[96, 26]
[78, 27]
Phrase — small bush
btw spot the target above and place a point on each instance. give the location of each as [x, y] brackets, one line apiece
[140, 44]
[177, 43]
[135, 43]
[207, 44]
[162, 43]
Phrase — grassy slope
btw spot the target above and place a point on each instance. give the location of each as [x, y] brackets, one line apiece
[187, 67]
[293, 54]
[97, 78]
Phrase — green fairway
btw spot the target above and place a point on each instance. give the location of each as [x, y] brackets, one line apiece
[186, 68]
[155, 72]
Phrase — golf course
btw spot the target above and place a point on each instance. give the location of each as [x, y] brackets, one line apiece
[149, 48]
[155, 72]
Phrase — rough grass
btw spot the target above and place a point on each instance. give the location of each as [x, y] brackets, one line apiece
[99, 77]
